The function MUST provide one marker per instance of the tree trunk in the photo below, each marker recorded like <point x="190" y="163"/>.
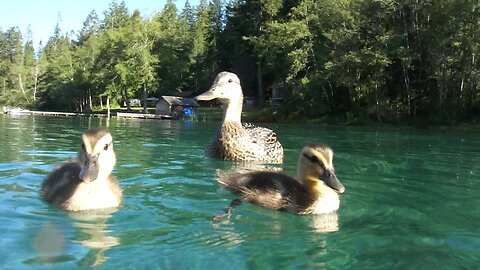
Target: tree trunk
<point x="474" y="84"/>
<point x="406" y="80"/>
<point x="90" y="103"/>
<point x="127" y="100"/>
<point x="108" y="107"/>
<point x="20" y="82"/>
<point x="261" y="94"/>
<point x="443" y="89"/>
<point x="377" y="104"/>
<point x="35" y="83"/>
<point x="101" y="102"/>
<point x="462" y="84"/>
<point x="145" y="110"/>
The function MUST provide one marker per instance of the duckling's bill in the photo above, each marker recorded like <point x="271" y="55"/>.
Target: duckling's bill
<point x="89" y="171"/>
<point x="332" y="181"/>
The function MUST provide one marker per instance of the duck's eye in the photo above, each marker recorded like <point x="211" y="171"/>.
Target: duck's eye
<point x="313" y="159"/>
<point x="230" y="80"/>
<point x="106" y="147"/>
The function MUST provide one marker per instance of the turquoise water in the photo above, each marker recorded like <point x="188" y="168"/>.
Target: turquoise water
<point x="412" y="201"/>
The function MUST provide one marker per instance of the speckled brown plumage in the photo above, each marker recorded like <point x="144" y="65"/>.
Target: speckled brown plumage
<point x="237" y="141"/>
<point x="245" y="143"/>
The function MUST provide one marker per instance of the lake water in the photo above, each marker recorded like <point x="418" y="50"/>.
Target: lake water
<point x="412" y="201"/>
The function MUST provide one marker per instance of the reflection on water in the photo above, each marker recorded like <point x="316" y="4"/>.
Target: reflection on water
<point x="49" y="245"/>
<point x="94" y="233"/>
<point x="324" y="223"/>
<point x="91" y="231"/>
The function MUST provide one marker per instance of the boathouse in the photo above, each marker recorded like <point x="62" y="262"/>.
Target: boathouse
<point x="174" y="106"/>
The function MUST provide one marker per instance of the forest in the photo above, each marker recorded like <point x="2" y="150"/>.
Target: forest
<point x="384" y="61"/>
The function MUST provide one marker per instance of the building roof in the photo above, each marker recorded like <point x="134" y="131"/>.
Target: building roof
<point x="180" y="101"/>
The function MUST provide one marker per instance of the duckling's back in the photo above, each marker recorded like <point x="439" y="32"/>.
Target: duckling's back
<point x="272" y="190"/>
<point x="60" y="185"/>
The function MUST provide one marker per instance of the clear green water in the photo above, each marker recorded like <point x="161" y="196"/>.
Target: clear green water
<point x="412" y="201"/>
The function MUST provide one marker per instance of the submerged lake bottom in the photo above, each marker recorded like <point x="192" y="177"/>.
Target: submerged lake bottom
<point x="412" y="200"/>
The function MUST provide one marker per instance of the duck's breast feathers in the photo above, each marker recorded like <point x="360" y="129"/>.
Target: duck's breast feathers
<point x="61" y="183"/>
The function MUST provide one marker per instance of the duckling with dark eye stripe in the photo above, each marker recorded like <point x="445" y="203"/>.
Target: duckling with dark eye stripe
<point x="315" y="191"/>
<point x="87" y="183"/>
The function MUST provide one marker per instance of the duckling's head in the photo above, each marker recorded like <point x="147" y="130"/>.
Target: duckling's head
<point x="226" y="87"/>
<point x="96" y="157"/>
<point x="315" y="167"/>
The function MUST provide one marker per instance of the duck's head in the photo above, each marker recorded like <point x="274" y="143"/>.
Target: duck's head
<point x="226" y="88"/>
<point x="96" y="157"/>
<point x="315" y="167"/>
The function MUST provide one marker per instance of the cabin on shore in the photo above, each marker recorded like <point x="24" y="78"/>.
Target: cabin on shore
<point x="175" y="106"/>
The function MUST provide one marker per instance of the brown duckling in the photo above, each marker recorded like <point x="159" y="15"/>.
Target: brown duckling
<point x="234" y="140"/>
<point x="87" y="183"/>
<point x="315" y="191"/>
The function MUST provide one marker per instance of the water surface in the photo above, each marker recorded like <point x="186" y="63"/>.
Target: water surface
<point x="412" y="201"/>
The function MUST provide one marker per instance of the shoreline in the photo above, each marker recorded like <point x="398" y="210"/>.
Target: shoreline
<point x="268" y="115"/>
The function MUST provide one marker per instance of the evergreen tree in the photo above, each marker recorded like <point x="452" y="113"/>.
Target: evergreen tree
<point x="348" y="59"/>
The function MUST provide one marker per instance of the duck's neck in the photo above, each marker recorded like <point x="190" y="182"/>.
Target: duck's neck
<point x="233" y="111"/>
<point x="103" y="177"/>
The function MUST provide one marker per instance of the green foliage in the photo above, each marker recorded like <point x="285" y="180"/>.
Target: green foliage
<point x="345" y="60"/>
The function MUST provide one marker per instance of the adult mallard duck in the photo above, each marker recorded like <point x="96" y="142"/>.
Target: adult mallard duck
<point x="235" y="141"/>
<point x="315" y="191"/>
<point x="87" y="183"/>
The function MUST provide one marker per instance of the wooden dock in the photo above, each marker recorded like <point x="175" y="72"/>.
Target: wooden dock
<point x="117" y="114"/>
<point x="67" y="114"/>
<point x="143" y="115"/>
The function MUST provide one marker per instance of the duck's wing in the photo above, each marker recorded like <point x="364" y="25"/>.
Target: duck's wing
<point x="260" y="134"/>
<point x="272" y="190"/>
<point x="61" y="183"/>
<point x="264" y="143"/>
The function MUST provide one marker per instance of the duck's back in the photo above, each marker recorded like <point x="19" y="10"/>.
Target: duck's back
<point x="246" y="143"/>
<point x="272" y="190"/>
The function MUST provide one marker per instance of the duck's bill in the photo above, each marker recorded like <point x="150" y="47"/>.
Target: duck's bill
<point x="89" y="171"/>
<point x="332" y="181"/>
<point x="209" y="95"/>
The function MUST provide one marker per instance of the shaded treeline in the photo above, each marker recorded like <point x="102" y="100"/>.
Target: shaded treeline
<point x="371" y="59"/>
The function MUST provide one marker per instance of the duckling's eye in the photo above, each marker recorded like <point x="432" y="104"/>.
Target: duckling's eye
<point x="106" y="147"/>
<point x="313" y="159"/>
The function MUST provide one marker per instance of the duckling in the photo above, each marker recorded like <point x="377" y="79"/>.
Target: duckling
<point x="315" y="191"/>
<point x="235" y="141"/>
<point x="87" y="183"/>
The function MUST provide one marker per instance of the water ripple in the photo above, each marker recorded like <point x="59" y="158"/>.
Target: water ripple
<point x="411" y="201"/>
